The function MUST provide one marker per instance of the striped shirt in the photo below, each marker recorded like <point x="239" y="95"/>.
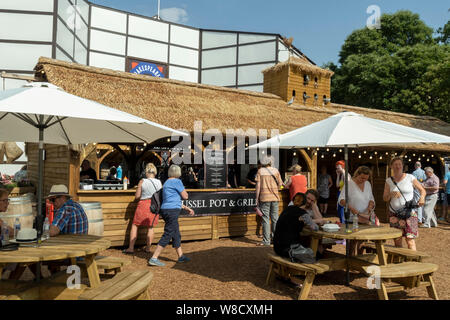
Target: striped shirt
<point x="268" y="186"/>
<point x="71" y="219"/>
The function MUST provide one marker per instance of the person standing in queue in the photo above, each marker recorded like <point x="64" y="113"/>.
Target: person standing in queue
<point x="297" y="182"/>
<point x="143" y="216"/>
<point x="173" y="193"/>
<point x="268" y="182"/>
<point x="4" y="203"/>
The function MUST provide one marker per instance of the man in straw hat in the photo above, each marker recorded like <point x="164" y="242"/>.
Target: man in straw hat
<point x="70" y="217"/>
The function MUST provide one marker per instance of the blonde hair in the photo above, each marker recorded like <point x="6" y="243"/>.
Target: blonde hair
<point x="150" y="168"/>
<point x="296" y="168"/>
<point x="362" y="170"/>
<point x="174" y="171"/>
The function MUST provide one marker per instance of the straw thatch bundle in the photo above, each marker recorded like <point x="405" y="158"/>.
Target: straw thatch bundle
<point x="299" y="65"/>
<point x="11" y="150"/>
<point x="178" y="104"/>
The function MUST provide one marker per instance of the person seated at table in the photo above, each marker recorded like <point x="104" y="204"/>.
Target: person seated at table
<point x="87" y="172"/>
<point x="289" y="225"/>
<point x="310" y="206"/>
<point x="70" y="217"/>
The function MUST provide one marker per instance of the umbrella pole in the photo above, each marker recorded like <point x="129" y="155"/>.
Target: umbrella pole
<point x="346" y="215"/>
<point x="39" y="194"/>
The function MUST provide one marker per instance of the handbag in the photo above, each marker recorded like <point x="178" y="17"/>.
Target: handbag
<point x="405" y="212"/>
<point x="156" y="200"/>
<point x="298" y="253"/>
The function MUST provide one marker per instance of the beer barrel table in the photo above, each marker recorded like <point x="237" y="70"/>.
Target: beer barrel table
<point x="94" y="213"/>
<point x="21" y="208"/>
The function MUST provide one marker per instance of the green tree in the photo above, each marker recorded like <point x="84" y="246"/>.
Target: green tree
<point x="399" y="67"/>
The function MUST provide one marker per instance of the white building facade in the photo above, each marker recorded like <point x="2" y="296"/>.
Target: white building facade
<point x="82" y="32"/>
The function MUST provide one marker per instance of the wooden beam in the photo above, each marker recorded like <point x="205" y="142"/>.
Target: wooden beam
<point x="17" y="76"/>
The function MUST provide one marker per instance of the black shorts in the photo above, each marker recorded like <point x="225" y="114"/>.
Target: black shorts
<point x="323" y="200"/>
<point x="448" y="198"/>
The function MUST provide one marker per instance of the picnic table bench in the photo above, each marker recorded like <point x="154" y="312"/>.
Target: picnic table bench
<point x="407" y="275"/>
<point x="128" y="285"/>
<point x="396" y="254"/>
<point x="108" y="263"/>
<point x="287" y="270"/>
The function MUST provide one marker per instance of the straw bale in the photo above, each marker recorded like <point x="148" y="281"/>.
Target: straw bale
<point x="178" y="104"/>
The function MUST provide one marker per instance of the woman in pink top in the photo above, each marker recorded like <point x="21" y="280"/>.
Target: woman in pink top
<point x="297" y="182"/>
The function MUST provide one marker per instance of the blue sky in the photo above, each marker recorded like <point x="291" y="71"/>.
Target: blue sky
<point x="319" y="27"/>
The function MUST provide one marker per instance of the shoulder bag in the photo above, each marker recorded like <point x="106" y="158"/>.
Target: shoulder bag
<point x="405" y="212"/>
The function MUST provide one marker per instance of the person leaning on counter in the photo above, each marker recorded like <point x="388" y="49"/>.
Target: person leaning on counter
<point x="87" y="172"/>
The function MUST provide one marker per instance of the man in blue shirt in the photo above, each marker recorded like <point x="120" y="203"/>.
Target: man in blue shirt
<point x="420" y="175"/>
<point x="447" y="191"/>
<point x="70" y="217"/>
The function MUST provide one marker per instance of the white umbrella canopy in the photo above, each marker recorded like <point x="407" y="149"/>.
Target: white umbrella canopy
<point x="353" y="130"/>
<point x="349" y="129"/>
<point x="69" y="119"/>
<point x="44" y="113"/>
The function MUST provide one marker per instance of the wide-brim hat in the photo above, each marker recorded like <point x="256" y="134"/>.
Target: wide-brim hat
<point x="58" y="190"/>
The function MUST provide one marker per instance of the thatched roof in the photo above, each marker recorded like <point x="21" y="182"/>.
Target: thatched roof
<point x="299" y="65"/>
<point x="178" y="104"/>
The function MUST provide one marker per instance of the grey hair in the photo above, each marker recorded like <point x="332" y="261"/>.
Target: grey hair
<point x="174" y="171"/>
<point x="430" y="169"/>
<point x="267" y="161"/>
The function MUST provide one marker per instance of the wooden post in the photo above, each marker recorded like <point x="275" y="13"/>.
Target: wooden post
<point x="311" y="163"/>
<point x="215" y="227"/>
<point x="74" y="173"/>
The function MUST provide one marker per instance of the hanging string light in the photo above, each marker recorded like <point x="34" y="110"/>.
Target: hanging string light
<point x="371" y="157"/>
<point x="418" y="158"/>
<point x="328" y="149"/>
<point x="295" y="153"/>
<point x="406" y="156"/>
<point x="387" y="153"/>
<point x="414" y="154"/>
<point x="322" y="156"/>
<point x="353" y="151"/>
<point x="317" y="149"/>
<point x="409" y="160"/>
<point x="340" y="150"/>
<point x="432" y="155"/>
<point x="376" y="153"/>
<point x="359" y="156"/>
<point x="381" y="157"/>
<point x="334" y="155"/>
<point x="365" y="151"/>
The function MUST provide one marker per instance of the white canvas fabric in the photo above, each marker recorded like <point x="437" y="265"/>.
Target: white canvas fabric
<point x="353" y="130"/>
<point x="82" y="120"/>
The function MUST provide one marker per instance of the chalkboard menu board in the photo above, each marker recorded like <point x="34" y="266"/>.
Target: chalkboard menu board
<point x="215" y="169"/>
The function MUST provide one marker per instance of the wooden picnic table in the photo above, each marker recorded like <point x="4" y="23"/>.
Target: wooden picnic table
<point x="378" y="235"/>
<point x="61" y="247"/>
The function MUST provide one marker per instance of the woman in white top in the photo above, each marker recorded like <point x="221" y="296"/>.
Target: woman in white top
<point x="143" y="216"/>
<point x="406" y="183"/>
<point x="361" y="202"/>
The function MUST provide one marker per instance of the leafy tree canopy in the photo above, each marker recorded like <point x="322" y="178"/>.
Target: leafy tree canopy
<point x="399" y="67"/>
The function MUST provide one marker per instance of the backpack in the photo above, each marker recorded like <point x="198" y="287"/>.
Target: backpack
<point x="156" y="200"/>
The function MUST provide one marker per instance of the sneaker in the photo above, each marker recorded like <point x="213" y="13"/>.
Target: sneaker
<point x="155" y="262"/>
<point x="183" y="258"/>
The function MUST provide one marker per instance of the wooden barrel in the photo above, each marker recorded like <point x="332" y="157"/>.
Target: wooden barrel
<point x="22" y="208"/>
<point x="95" y="217"/>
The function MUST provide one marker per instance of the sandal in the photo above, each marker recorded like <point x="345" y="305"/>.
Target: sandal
<point x="125" y="251"/>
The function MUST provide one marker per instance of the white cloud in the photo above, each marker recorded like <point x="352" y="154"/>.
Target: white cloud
<point x="177" y="15"/>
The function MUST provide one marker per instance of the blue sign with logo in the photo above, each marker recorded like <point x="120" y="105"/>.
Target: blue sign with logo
<point x="147" y="68"/>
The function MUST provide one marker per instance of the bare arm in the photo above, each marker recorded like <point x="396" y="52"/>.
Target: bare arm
<point x="317" y="215"/>
<point x="288" y="184"/>
<point x="423" y="193"/>
<point x="191" y="212"/>
<point x="184" y="195"/>
<point x="138" y="194"/>
<point x="257" y="187"/>
<point x="386" y="192"/>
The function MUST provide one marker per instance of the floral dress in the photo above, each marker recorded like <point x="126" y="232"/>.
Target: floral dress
<point x="410" y="226"/>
